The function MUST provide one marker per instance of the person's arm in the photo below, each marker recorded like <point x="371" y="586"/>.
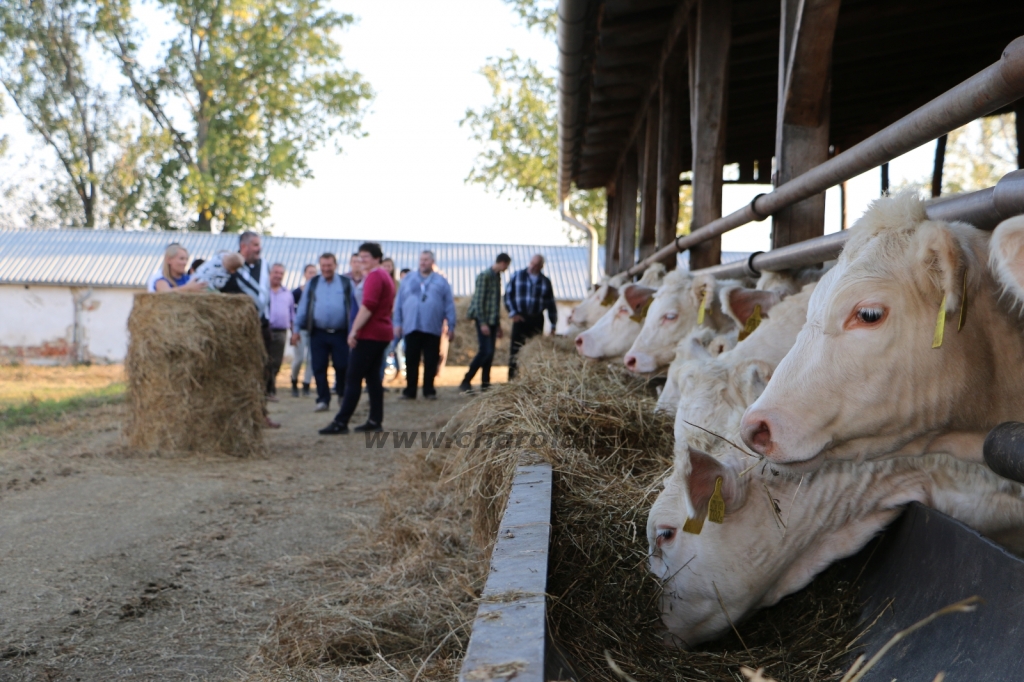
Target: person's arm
<point x="300" y="315"/>
<point x="372" y="290"/>
<point x="449" y="310"/>
<point x="509" y="298"/>
<point x="549" y="304"/>
<point x="476" y="303"/>
<point x="396" y="315"/>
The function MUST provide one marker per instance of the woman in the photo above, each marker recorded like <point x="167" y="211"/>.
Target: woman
<point x="388" y="265"/>
<point x="174" y="277"/>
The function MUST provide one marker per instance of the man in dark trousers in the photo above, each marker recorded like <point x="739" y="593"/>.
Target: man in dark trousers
<point x="485" y="309"/>
<point x="527" y="295"/>
<point x="424" y="302"/>
<point x="326" y="310"/>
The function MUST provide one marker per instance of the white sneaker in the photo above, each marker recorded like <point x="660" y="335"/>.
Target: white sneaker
<point x="321" y="407"/>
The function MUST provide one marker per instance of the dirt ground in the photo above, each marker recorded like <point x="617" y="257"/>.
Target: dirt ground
<point x="117" y="566"/>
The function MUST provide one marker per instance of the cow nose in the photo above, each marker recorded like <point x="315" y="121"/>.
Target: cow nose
<point x="630" y="361"/>
<point x="757" y="433"/>
<point x="579" y="343"/>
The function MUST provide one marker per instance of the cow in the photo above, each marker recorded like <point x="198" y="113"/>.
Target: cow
<point x="613" y="333"/>
<point x="699" y="343"/>
<point x="894" y="359"/>
<point x="590" y="309"/>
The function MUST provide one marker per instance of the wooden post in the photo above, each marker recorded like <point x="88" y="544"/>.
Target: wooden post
<point x="710" y="39"/>
<point x="673" y="123"/>
<point x="801" y="135"/>
<point x="885" y="178"/>
<point x="1018" y="115"/>
<point x="611" y="237"/>
<point x="842" y="206"/>
<point x="940" y="160"/>
<point x="649" y="185"/>
<point x="626" y="193"/>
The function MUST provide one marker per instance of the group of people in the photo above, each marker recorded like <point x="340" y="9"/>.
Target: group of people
<point x="354" y="321"/>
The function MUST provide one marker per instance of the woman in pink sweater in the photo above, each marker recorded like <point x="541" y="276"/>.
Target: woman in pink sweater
<point x="369" y="338"/>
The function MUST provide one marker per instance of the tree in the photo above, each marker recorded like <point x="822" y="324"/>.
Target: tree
<point x="519" y="132"/>
<point x="262" y="83"/>
<point x="979" y="154"/>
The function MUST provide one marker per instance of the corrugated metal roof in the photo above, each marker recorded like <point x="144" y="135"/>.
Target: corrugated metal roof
<point x="110" y="258"/>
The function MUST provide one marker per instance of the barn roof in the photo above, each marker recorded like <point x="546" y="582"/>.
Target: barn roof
<point x="889" y="58"/>
<point x="113" y="258"/>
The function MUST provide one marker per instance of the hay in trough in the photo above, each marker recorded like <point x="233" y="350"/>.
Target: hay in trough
<point x="194" y="372"/>
<point x="463" y="348"/>
<point x="611" y="453"/>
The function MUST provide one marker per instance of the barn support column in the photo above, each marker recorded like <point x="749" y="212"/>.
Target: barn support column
<point x="649" y="185"/>
<point x="940" y="160"/>
<point x="611" y="238"/>
<point x="626" y="193"/>
<point x="673" y="122"/>
<point x="1018" y="115"/>
<point x="710" y="37"/>
<point x="802" y="122"/>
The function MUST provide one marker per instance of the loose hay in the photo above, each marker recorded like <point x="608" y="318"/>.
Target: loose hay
<point x="194" y="370"/>
<point x="463" y="348"/>
<point x="612" y="452"/>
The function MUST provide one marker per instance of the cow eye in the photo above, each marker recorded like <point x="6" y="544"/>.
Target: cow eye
<point x="665" y="535"/>
<point x="668" y="317"/>
<point x="870" y="315"/>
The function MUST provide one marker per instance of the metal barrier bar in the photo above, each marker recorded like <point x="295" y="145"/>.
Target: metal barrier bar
<point x="984" y="209"/>
<point x="509" y="633"/>
<point x="981" y="94"/>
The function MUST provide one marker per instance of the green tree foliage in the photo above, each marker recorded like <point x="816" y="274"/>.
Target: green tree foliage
<point x="262" y="83"/>
<point x="519" y="133"/>
<point x="979" y="154"/>
<point x="542" y="14"/>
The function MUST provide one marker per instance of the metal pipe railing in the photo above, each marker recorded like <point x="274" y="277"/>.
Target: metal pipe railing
<point x="981" y="94"/>
<point x="984" y="209"/>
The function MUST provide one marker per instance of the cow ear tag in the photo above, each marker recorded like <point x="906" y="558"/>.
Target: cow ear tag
<point x="609" y="298"/>
<point x="940" y="324"/>
<point x="716" y="505"/>
<point x="963" y="305"/>
<point x="703" y="305"/>
<point x="641" y="313"/>
<point x="753" y="322"/>
<point x="693" y="526"/>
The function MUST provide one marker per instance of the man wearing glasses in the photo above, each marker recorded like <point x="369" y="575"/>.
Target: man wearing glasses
<point x="424" y="302"/>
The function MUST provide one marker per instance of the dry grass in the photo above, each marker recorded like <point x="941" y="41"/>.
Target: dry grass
<point x="21" y="384"/>
<point x="194" y="367"/>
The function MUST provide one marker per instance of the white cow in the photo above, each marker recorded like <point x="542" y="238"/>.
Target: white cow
<point x="674" y="311"/>
<point x="701" y="342"/>
<point x="613" y="333"/>
<point x="590" y="309"/>
<point x="868" y="378"/>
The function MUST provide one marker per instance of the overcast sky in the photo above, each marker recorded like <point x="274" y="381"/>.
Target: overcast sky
<point x="405" y="179"/>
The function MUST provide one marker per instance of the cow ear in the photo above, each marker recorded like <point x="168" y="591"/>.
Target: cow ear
<point x="637" y="295"/>
<point x="705" y="470"/>
<point x="739" y="303"/>
<point x="1006" y="256"/>
<point x="610" y="297"/>
<point x="700" y="284"/>
<point x="943" y="257"/>
<point x="751" y="378"/>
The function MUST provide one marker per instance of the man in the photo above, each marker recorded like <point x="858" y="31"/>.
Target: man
<point x="485" y="309"/>
<point x="355" y="274"/>
<point x="324" y="312"/>
<point x="300" y="355"/>
<point x="369" y="337"/>
<point x="250" y="245"/>
<point x="424" y="302"/>
<point x="280" y="316"/>
<point x="527" y="295"/>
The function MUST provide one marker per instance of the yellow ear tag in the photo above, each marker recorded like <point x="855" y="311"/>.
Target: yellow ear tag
<point x="703" y="305"/>
<point x="940" y="324"/>
<point x="693" y="526"/>
<point x="609" y="298"/>
<point x="641" y="313"/>
<point x="963" y="305"/>
<point x="753" y="322"/>
<point x="716" y="506"/>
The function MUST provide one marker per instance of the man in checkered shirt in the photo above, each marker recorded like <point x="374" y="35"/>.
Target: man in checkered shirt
<point x="527" y="295"/>
<point x="485" y="308"/>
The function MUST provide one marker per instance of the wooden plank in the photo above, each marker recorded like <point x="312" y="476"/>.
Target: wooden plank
<point x="510" y="631"/>
<point x="649" y="186"/>
<point x="626" y="192"/>
<point x="1018" y="115"/>
<point x="940" y="160"/>
<point x="611" y="237"/>
<point x="802" y="130"/>
<point x="673" y="126"/>
<point x="709" y="46"/>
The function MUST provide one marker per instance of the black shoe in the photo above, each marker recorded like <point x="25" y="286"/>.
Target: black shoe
<point x="485" y="387"/>
<point x="305" y="390"/>
<point x="368" y="427"/>
<point x="334" y="429"/>
<point x="295" y="389"/>
<point x="465" y="387"/>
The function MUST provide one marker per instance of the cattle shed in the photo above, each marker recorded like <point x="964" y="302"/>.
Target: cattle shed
<point x="66" y="294"/>
<point x="802" y="95"/>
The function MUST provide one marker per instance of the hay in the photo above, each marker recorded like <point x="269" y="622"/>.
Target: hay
<point x="194" y="370"/>
<point x="463" y="348"/>
<point x="611" y="454"/>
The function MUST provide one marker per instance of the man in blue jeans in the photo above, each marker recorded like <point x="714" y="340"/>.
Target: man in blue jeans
<point x="485" y="309"/>
<point x="326" y="310"/>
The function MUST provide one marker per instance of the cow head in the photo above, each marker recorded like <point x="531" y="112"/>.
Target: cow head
<point x="700" y="344"/>
<point x="863" y="378"/>
<point x="590" y="309"/>
<point x="613" y="334"/>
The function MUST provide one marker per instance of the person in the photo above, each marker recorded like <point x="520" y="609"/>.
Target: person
<point x="485" y="310"/>
<point x="424" y="303"/>
<point x="173" y="276"/>
<point x="250" y="246"/>
<point x="300" y="353"/>
<point x="355" y="274"/>
<point x="527" y="295"/>
<point x="403" y="273"/>
<point x="370" y="334"/>
<point x="195" y="265"/>
<point x="389" y="267"/>
<point x="325" y="312"/>
<point x="281" y="316"/>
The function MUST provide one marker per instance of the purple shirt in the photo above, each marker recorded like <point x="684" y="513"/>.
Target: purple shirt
<point x="281" y="310"/>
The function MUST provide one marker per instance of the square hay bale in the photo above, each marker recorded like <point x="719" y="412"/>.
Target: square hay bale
<point x="194" y="369"/>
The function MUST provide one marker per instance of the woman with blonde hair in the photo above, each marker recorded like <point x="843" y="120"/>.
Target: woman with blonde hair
<point x="174" y="274"/>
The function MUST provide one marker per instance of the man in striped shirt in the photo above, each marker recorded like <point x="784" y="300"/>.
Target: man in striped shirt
<point x="485" y="309"/>
<point x="527" y="295"/>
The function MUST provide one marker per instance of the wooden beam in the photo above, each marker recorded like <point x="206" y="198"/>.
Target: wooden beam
<point x="940" y="161"/>
<point x="626" y="193"/>
<point x="709" y="47"/>
<point x="806" y="35"/>
<point x="649" y="186"/>
<point x="673" y="125"/>
<point x="611" y="238"/>
<point x="1018" y="114"/>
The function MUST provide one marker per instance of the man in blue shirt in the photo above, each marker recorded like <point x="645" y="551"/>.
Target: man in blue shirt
<point x="424" y="302"/>
<point x="325" y="311"/>
<point x="527" y="295"/>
